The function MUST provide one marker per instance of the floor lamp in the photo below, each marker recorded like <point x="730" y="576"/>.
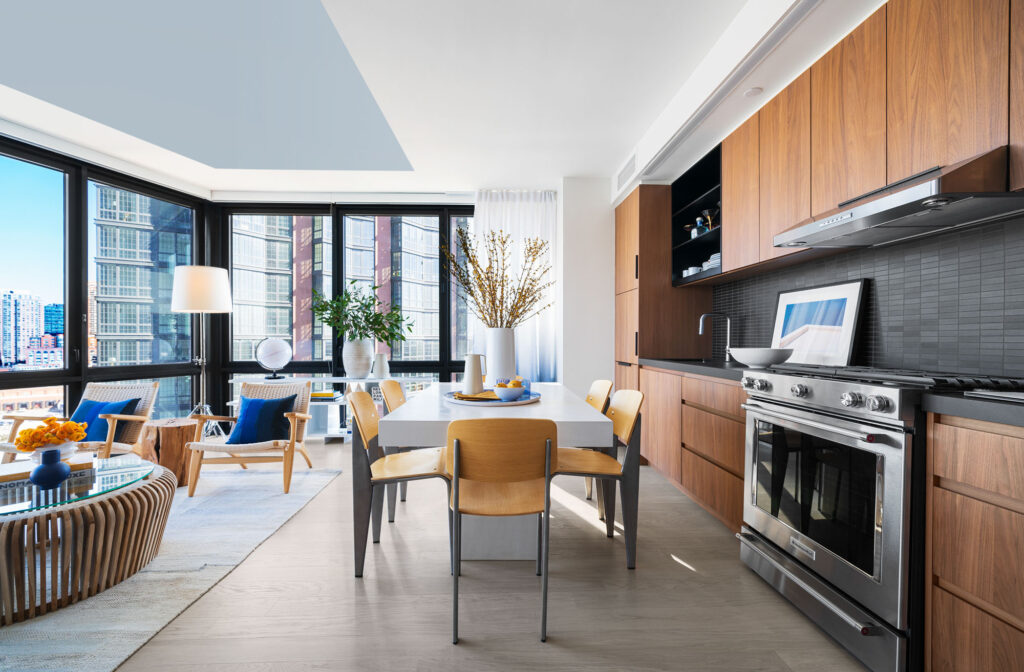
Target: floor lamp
<point x="202" y="290"/>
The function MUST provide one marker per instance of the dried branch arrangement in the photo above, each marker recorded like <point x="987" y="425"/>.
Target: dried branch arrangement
<point x="499" y="296"/>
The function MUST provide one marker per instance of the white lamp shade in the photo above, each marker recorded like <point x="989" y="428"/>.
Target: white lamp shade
<point x="201" y="289"/>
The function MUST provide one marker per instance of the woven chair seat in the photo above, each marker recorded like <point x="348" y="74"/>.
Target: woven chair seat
<point x="219" y="444"/>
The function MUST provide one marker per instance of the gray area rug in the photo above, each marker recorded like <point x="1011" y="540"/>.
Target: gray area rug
<point x="206" y="537"/>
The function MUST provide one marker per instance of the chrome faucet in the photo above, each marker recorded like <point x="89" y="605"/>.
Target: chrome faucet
<point x="728" y="331"/>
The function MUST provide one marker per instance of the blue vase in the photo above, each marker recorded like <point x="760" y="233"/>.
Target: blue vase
<point x="51" y="472"/>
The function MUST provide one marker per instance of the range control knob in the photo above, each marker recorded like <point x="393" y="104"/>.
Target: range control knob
<point x="747" y="382"/>
<point x="851" y="399"/>
<point x="798" y="390"/>
<point x="761" y="385"/>
<point x="879" y="404"/>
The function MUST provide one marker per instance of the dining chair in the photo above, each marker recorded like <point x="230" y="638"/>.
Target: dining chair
<point x="597" y="397"/>
<point x="624" y="412"/>
<point x="275" y="450"/>
<point x="501" y="467"/>
<point x="119" y="439"/>
<point x="373" y="471"/>
<point x="394" y="396"/>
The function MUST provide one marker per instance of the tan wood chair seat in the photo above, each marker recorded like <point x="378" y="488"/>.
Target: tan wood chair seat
<point x="585" y="461"/>
<point x="414" y="464"/>
<point x="485" y="498"/>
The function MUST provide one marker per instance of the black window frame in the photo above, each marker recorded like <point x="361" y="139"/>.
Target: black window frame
<point x="77" y="373"/>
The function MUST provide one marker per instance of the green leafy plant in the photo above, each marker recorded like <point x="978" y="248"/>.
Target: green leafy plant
<point x="358" y="314"/>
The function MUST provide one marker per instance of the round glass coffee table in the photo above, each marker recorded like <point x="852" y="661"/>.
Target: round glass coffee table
<point x="96" y="529"/>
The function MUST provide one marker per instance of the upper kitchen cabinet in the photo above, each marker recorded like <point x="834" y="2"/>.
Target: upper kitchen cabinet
<point x="848" y="117"/>
<point x="947" y="82"/>
<point x="653" y="318"/>
<point x="785" y="164"/>
<point x="1017" y="94"/>
<point x="627" y="243"/>
<point x="741" y="196"/>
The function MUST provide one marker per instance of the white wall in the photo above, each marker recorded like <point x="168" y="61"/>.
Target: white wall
<point x="586" y="299"/>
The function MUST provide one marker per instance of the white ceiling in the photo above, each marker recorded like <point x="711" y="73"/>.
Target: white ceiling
<point x="478" y="93"/>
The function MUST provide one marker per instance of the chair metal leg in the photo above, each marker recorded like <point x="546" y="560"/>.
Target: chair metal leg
<point x="630" y="486"/>
<point x="540" y="540"/>
<point x="588" y="483"/>
<point x="455" y="578"/>
<point x="451" y="531"/>
<point x="392" y="490"/>
<point x="403" y="490"/>
<point x="600" y="499"/>
<point x="377" y="511"/>
<point x="547" y="545"/>
<point x="362" y="495"/>
<point x="608" y="496"/>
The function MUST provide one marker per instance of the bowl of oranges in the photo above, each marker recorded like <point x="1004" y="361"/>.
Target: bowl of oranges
<point x="509" y="389"/>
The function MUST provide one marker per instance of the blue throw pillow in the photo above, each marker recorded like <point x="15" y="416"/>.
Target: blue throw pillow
<point x="262" y="420"/>
<point x="89" y="411"/>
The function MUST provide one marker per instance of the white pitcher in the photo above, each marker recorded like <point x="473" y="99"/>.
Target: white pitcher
<point x="473" y="376"/>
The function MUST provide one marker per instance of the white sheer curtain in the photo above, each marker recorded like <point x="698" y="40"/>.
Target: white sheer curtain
<point x="524" y="214"/>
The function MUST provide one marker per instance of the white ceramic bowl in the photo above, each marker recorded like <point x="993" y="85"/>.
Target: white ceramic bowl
<point x="760" y="358"/>
<point x="509" y="393"/>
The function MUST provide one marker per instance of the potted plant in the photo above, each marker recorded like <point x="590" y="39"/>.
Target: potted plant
<point x="360" y="318"/>
<point x="500" y="297"/>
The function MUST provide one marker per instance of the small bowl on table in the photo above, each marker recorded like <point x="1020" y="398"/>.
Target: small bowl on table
<point x="509" y="393"/>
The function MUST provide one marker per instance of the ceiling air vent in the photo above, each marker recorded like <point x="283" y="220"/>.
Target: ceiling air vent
<point x="626" y="173"/>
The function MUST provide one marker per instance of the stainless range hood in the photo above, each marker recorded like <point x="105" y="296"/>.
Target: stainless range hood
<point x="938" y="200"/>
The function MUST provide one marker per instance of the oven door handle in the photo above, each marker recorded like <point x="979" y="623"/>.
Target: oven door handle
<point x="860" y="436"/>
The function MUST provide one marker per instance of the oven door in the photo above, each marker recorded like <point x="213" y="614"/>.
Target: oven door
<point x="831" y="493"/>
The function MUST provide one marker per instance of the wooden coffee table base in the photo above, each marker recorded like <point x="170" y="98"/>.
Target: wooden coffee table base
<point x="58" y="556"/>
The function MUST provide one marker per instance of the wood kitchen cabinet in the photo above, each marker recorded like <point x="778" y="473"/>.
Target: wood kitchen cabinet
<point x="1016" y="94"/>
<point x="627" y="376"/>
<point x="627" y="243"/>
<point x="848" y="117"/>
<point x="974" y="611"/>
<point x="741" y="196"/>
<point x="627" y="307"/>
<point x="662" y="416"/>
<point x="653" y="318"/>
<point x="785" y="164"/>
<point x="947" y="73"/>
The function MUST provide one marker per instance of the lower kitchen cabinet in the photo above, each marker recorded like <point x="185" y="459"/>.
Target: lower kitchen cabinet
<point x="975" y="546"/>
<point x="714" y="488"/>
<point x="661" y="417"/>
<point x="714" y="437"/>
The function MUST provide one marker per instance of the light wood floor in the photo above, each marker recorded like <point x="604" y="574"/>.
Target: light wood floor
<point x="689" y="605"/>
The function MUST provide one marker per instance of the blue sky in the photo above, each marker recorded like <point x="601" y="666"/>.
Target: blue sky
<point x="32" y="229"/>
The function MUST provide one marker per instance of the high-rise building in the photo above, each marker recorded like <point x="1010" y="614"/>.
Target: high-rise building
<point x="21" y="320"/>
<point x="53" y="318"/>
<point x="139" y="241"/>
<point x="277" y="262"/>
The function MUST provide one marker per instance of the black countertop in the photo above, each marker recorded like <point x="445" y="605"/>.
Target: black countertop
<point x="948" y="403"/>
<point x="705" y="367"/>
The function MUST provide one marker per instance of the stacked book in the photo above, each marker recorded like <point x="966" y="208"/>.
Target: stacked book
<point x="332" y="395"/>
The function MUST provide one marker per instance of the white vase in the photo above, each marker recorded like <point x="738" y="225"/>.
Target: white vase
<point x="501" y="355"/>
<point x="381" y="369"/>
<point x="357" y="357"/>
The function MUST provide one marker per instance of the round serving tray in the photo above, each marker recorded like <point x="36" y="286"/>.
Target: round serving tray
<point x="527" y="398"/>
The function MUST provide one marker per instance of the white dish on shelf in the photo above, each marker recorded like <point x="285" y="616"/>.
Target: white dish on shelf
<point x="760" y="358"/>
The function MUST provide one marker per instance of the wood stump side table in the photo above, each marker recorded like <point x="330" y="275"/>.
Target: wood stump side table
<point x="163" y="442"/>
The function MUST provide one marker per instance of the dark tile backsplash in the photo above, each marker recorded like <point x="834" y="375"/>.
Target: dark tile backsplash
<point x="950" y="303"/>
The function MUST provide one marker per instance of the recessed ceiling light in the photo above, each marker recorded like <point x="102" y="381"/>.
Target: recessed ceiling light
<point x="753" y="91"/>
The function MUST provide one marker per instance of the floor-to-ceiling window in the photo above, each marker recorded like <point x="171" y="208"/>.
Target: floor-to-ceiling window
<point x="85" y="288"/>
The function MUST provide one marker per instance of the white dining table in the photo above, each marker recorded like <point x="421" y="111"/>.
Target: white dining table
<point x="423" y="421"/>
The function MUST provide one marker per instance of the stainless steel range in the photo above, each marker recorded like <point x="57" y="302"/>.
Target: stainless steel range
<point x="833" y="505"/>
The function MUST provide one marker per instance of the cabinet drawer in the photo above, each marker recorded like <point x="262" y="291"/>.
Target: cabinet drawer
<point x="965" y="638"/>
<point x="722" y="397"/>
<point x="627" y="376"/>
<point x="980" y="459"/>
<point x="717" y="438"/>
<point x="712" y="487"/>
<point x="978" y="547"/>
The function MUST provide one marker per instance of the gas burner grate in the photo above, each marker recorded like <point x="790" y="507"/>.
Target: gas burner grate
<point x="923" y="379"/>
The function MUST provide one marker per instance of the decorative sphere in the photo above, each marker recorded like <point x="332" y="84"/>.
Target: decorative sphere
<point x="273" y="354"/>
